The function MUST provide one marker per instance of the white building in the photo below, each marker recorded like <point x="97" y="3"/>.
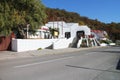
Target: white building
<point x="70" y="35"/>
<point x="67" y="30"/>
<point x="71" y="30"/>
<point x="42" y="33"/>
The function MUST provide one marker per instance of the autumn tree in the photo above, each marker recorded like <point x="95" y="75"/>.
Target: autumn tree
<point x="113" y="29"/>
<point x="81" y="23"/>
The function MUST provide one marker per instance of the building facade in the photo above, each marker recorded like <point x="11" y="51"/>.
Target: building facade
<point x="67" y="30"/>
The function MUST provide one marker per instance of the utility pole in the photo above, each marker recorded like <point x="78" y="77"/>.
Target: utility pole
<point x="62" y="26"/>
<point x="53" y="22"/>
<point x="27" y="30"/>
<point x="57" y="22"/>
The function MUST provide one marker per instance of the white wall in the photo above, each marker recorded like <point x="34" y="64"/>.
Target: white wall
<point x="74" y="28"/>
<point x="86" y="29"/>
<point x="62" y="43"/>
<point x="79" y="42"/>
<point x="20" y="45"/>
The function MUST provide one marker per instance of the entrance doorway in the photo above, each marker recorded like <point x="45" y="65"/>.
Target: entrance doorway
<point x="80" y="33"/>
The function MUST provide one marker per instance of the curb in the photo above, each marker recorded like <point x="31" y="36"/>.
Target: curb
<point x="16" y="55"/>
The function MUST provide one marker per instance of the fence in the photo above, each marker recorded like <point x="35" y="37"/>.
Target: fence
<point x="5" y="43"/>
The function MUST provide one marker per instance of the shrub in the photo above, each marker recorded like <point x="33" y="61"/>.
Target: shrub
<point x="39" y="49"/>
<point x="106" y="41"/>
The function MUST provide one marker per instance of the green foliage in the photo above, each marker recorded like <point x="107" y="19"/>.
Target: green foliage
<point x="19" y="13"/>
<point x="84" y="43"/>
<point x="113" y="29"/>
<point x="81" y="23"/>
<point x="106" y="41"/>
<point x="39" y="49"/>
<point x="15" y="13"/>
<point x="60" y="15"/>
<point x="117" y="42"/>
<point x="52" y="30"/>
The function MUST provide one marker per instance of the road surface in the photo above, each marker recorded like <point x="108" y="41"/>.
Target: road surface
<point x="91" y="64"/>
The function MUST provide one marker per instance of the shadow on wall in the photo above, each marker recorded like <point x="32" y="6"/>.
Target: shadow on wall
<point x="49" y="47"/>
<point x="74" y="43"/>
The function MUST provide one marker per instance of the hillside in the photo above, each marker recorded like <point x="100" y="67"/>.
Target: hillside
<point x="113" y="28"/>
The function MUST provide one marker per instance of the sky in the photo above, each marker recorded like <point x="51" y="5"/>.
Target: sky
<point x="106" y="11"/>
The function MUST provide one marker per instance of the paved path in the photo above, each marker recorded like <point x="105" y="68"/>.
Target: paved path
<point x="11" y="55"/>
<point x="89" y="64"/>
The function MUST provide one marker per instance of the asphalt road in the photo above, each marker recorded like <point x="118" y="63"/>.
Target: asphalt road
<point x="92" y="64"/>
